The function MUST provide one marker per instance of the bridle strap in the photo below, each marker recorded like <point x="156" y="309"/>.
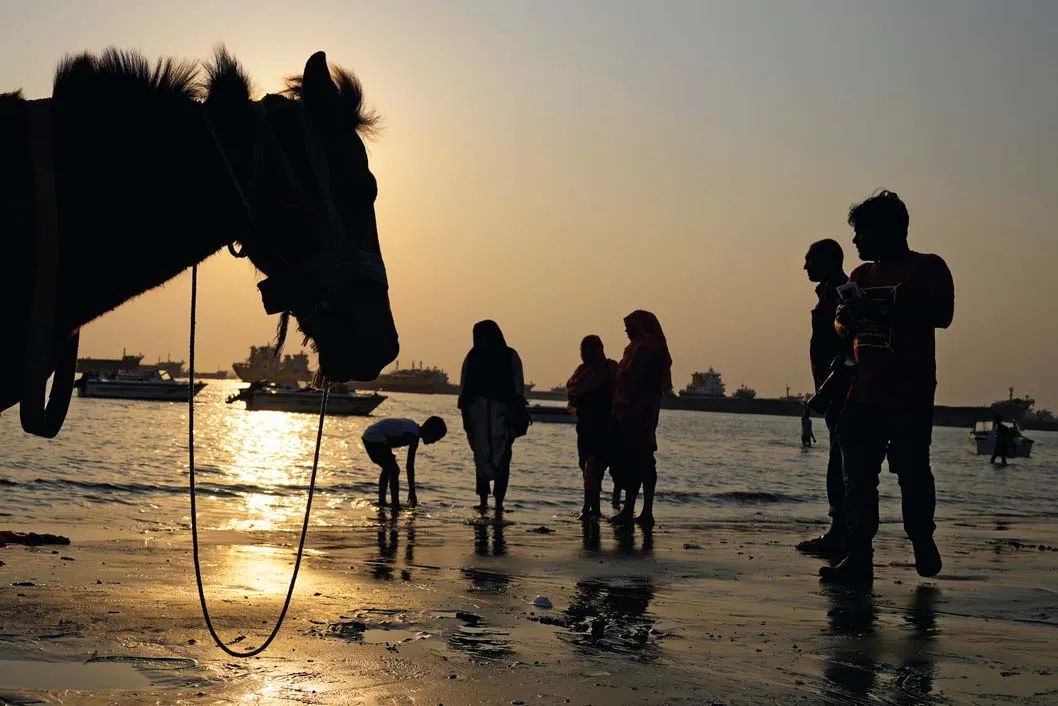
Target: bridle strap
<point x="43" y="354"/>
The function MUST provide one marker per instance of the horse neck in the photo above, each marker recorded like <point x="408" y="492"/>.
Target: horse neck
<point x="139" y="209"/>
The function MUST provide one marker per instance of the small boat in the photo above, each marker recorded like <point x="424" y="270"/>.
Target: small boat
<point x="983" y="440"/>
<point x="263" y="395"/>
<point x="153" y="385"/>
<point x="550" y="414"/>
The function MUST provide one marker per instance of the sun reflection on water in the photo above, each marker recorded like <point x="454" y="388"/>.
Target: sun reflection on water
<point x="268" y="453"/>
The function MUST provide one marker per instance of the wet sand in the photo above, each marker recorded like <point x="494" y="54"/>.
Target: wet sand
<point x="409" y="610"/>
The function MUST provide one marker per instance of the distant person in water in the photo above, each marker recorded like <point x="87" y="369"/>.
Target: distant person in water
<point x="492" y="400"/>
<point x="1003" y="437"/>
<point x="643" y="377"/>
<point x="807" y="437"/>
<point x="590" y="391"/>
<point x="393" y="433"/>
<point x="904" y="296"/>
<point x="827" y="352"/>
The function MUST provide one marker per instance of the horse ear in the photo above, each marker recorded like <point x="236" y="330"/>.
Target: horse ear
<point x="318" y="89"/>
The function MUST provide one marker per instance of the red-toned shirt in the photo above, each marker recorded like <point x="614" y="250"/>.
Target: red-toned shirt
<point x="896" y="362"/>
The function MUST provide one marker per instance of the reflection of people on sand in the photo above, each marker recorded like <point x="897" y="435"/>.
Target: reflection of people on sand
<point x="889" y="411"/>
<point x="481" y="538"/>
<point x="590" y="391"/>
<point x="491" y="394"/>
<point x="1003" y="440"/>
<point x="854" y="665"/>
<point x="383" y="567"/>
<point x="827" y="354"/>
<point x="643" y="376"/>
<point x="626" y="539"/>
<point x="383" y="436"/>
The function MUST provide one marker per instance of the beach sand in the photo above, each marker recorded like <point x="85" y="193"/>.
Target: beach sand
<point x="414" y="611"/>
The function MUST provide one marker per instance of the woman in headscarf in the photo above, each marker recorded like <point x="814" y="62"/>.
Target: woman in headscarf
<point x="491" y="395"/>
<point x="590" y="391"/>
<point x="643" y="377"/>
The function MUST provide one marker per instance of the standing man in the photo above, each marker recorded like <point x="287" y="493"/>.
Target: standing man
<point x="824" y="264"/>
<point x="905" y="296"/>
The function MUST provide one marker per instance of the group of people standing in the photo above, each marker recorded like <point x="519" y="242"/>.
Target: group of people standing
<point x="617" y="407"/>
<point x="873" y="357"/>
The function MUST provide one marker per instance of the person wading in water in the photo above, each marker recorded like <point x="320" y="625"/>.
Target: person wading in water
<point x="643" y="376"/>
<point x="590" y="391"/>
<point x="491" y="397"/>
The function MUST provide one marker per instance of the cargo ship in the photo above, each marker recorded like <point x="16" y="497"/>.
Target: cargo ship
<point x="420" y="380"/>
<point x="263" y="363"/>
<point x="131" y="364"/>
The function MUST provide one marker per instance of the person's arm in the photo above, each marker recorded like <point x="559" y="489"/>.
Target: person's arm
<point x="462" y="403"/>
<point x="933" y="301"/>
<point x="413" y="499"/>
<point x="519" y="374"/>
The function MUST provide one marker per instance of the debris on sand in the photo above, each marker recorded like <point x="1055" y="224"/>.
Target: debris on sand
<point x="31" y="539"/>
<point x="542" y="602"/>
<point x="542" y="529"/>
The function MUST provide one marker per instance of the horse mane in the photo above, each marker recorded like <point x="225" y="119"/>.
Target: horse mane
<point x="350" y="93"/>
<point x="124" y="74"/>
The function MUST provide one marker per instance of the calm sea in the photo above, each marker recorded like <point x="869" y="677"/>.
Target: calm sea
<point x="123" y="464"/>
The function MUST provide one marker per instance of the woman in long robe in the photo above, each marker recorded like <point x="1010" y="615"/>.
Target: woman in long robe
<point x="644" y="375"/>
<point x="491" y="393"/>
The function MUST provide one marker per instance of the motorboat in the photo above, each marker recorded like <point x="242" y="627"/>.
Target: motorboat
<point x="983" y="439"/>
<point x="271" y="396"/>
<point x="154" y="385"/>
<point x="551" y="414"/>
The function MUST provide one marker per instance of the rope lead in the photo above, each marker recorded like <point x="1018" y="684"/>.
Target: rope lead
<point x="194" y="513"/>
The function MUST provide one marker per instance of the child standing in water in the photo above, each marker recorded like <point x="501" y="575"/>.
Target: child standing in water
<point x="387" y="434"/>
<point x="590" y="392"/>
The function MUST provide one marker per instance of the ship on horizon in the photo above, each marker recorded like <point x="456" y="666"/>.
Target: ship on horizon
<point x="263" y="363"/>
<point x="132" y="364"/>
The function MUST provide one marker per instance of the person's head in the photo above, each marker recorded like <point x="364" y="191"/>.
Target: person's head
<point x="591" y="350"/>
<point x="880" y="224"/>
<point x="643" y="324"/>
<point x="824" y="261"/>
<point x="488" y="336"/>
<point x="432" y="430"/>
<point x="997" y="420"/>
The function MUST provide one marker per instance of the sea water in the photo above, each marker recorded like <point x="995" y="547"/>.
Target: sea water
<point x="122" y="465"/>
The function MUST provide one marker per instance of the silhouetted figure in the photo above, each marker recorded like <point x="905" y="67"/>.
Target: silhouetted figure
<point x="1004" y="438"/>
<point x="807" y="437"/>
<point x="393" y="433"/>
<point x="905" y="297"/>
<point x="491" y="396"/>
<point x="643" y="376"/>
<point x="824" y="264"/>
<point x="590" y="391"/>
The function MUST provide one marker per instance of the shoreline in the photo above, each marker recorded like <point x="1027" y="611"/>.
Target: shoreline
<point x="416" y="610"/>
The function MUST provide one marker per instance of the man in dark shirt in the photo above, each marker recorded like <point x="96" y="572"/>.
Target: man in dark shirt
<point x="905" y="297"/>
<point x="824" y="264"/>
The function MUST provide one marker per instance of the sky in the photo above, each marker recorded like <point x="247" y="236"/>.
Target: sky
<point x="554" y="166"/>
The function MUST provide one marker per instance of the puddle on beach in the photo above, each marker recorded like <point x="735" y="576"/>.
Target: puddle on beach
<point x="75" y="676"/>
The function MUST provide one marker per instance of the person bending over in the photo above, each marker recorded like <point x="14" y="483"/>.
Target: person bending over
<point x="393" y="433"/>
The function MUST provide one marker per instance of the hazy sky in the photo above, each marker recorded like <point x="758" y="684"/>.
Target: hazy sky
<point x="556" y="165"/>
